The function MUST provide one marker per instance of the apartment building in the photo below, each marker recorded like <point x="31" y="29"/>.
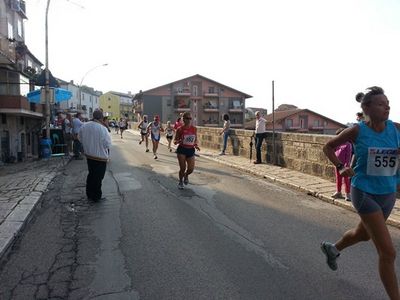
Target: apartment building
<point x="117" y="105"/>
<point x="21" y="121"/>
<point x="206" y="99"/>
<point x="84" y="99"/>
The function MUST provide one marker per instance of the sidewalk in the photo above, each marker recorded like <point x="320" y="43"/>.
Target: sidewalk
<point x="21" y="187"/>
<point x="312" y="185"/>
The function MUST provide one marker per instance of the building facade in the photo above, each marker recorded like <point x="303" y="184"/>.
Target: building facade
<point x="302" y="121"/>
<point x="84" y="100"/>
<point x="21" y="121"/>
<point x="117" y="105"/>
<point x="206" y="99"/>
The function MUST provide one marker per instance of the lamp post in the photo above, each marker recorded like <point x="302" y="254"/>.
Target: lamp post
<point x="47" y="75"/>
<point x="80" y="84"/>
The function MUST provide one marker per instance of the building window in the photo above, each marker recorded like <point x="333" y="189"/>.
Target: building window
<point x="195" y="90"/>
<point x="3" y="119"/>
<point x="316" y="123"/>
<point x="19" y="28"/>
<point x="22" y="120"/>
<point x="325" y="123"/>
<point x="289" y="123"/>
<point x="211" y="90"/>
<point x="10" y="31"/>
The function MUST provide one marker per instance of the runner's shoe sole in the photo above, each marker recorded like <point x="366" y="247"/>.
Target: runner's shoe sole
<point x="330" y="257"/>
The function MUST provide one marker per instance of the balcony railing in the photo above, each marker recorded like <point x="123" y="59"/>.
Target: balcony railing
<point x="19" y="105"/>
<point x="7" y="51"/>
<point x="211" y="94"/>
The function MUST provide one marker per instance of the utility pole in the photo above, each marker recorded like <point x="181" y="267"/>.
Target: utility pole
<point x="273" y="123"/>
<point x="47" y="75"/>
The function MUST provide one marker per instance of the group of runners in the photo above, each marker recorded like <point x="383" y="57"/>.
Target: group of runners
<point x="183" y="134"/>
<point x="375" y="176"/>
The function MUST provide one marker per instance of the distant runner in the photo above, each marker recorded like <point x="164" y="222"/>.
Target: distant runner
<point x="143" y="132"/>
<point x="155" y="128"/>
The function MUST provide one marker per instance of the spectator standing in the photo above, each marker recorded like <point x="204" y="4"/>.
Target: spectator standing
<point x="343" y="153"/>
<point x="76" y="126"/>
<point x="225" y="131"/>
<point x="66" y="126"/>
<point x="260" y="135"/>
<point x="96" y="143"/>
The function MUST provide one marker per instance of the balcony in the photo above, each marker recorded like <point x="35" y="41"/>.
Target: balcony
<point x="19" y="105"/>
<point x="7" y="51"/>
<point x="214" y="95"/>
<point x="19" y="6"/>
<point x="183" y="92"/>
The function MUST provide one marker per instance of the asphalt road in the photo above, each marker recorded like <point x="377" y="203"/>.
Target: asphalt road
<point x="228" y="235"/>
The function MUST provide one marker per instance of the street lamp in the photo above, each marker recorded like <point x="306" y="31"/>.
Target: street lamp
<point x="80" y="84"/>
<point x="47" y="75"/>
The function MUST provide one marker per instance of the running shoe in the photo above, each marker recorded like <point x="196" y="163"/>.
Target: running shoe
<point x="348" y="197"/>
<point x="337" y="195"/>
<point x="186" y="180"/>
<point x="147" y="150"/>
<point x="331" y="254"/>
<point x="170" y="149"/>
<point x="222" y="153"/>
<point x="140" y="142"/>
<point x="180" y="185"/>
<point x="155" y="157"/>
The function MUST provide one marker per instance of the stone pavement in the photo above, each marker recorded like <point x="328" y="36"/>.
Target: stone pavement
<point x="21" y="187"/>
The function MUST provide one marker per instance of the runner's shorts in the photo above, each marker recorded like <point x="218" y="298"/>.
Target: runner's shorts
<point x="189" y="152"/>
<point x="366" y="203"/>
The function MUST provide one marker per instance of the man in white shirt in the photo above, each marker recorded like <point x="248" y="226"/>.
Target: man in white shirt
<point x="260" y="135"/>
<point x="96" y="143"/>
<point x="76" y="126"/>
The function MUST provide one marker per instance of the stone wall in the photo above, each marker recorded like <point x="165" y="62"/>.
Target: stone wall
<point x="300" y="152"/>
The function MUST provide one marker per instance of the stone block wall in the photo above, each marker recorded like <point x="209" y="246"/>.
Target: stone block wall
<point x="300" y="152"/>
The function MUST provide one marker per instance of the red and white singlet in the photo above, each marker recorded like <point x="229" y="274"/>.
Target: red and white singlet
<point x="188" y="136"/>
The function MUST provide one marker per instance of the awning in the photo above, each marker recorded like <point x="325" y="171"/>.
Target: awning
<point x="56" y="95"/>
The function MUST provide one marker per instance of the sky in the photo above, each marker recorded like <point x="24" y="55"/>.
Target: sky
<point x="318" y="53"/>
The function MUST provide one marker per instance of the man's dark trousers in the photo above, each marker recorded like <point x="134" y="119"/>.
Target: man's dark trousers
<point x="259" y="139"/>
<point x="97" y="170"/>
<point x="77" y="148"/>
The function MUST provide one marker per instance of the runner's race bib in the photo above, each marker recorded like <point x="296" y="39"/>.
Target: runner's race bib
<point x="189" y="139"/>
<point x="382" y="161"/>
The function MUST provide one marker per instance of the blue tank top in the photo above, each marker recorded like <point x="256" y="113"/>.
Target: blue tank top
<point x="376" y="159"/>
